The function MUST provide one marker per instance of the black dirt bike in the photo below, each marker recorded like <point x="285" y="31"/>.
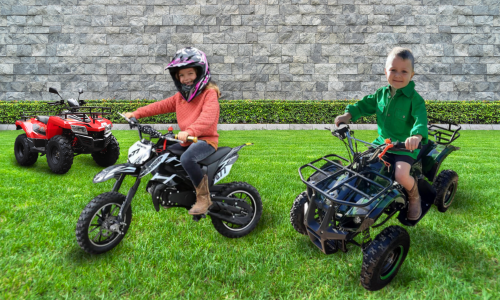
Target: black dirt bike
<point x="236" y="208"/>
<point x="347" y="197"/>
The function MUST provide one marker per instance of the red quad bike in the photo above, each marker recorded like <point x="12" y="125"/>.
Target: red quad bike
<point x="64" y="133"/>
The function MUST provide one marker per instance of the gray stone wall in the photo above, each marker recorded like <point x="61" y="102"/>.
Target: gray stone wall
<point x="258" y="49"/>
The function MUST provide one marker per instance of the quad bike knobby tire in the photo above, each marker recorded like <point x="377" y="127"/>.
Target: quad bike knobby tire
<point x="22" y="151"/>
<point x="92" y="230"/>
<point x="247" y="193"/>
<point x="59" y="154"/>
<point x="298" y="211"/>
<point x="109" y="155"/>
<point x="383" y="257"/>
<point x="446" y="186"/>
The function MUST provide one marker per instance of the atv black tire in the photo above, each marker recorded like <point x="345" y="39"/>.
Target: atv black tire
<point x="298" y="212"/>
<point x="250" y="194"/>
<point x="109" y="155"/>
<point x="102" y="209"/>
<point x="59" y="154"/>
<point x="22" y="151"/>
<point x="446" y="185"/>
<point x="383" y="257"/>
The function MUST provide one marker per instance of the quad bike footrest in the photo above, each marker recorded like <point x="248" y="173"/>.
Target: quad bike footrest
<point x="328" y="246"/>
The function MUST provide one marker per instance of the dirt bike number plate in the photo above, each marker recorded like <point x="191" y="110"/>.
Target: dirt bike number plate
<point x="139" y="153"/>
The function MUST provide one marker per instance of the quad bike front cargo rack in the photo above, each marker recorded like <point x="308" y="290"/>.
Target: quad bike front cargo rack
<point x="353" y="175"/>
<point x="324" y="232"/>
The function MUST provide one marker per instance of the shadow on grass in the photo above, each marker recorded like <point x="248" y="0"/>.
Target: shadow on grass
<point x="448" y="258"/>
<point x="39" y="167"/>
<point x="453" y="254"/>
<point x="79" y="257"/>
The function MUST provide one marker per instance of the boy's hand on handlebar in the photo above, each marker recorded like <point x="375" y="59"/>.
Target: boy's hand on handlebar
<point x="129" y="115"/>
<point x="182" y="135"/>
<point x="345" y="118"/>
<point x="411" y="143"/>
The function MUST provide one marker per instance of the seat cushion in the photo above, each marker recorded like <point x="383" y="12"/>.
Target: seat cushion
<point x="43" y="119"/>
<point x="220" y="153"/>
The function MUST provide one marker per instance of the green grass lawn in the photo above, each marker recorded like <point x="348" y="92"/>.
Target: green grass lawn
<point x="166" y="255"/>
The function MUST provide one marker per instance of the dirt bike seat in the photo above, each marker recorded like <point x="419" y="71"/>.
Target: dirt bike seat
<point x="43" y="119"/>
<point x="220" y="153"/>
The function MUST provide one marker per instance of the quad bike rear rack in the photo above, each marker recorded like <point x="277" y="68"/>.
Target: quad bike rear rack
<point x="324" y="233"/>
<point x="82" y="115"/>
<point x="443" y="135"/>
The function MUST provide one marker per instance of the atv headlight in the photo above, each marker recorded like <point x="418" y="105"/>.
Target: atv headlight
<point x="107" y="129"/>
<point x="79" y="129"/>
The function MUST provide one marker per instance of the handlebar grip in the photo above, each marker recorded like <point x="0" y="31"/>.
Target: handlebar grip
<point x="401" y="145"/>
<point x="190" y="139"/>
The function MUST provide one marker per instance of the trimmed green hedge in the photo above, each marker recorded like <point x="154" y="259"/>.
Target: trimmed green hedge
<point x="277" y="111"/>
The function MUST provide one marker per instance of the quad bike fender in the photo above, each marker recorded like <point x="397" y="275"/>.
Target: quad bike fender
<point x="115" y="172"/>
<point x="432" y="161"/>
<point x="54" y="127"/>
<point x="27" y="127"/>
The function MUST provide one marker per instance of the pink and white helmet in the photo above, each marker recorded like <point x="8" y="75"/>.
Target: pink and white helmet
<point x="190" y="57"/>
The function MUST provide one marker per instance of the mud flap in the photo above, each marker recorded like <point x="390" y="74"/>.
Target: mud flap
<point x="427" y="194"/>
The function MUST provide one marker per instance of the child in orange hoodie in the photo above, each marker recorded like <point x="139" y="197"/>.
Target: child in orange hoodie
<point x="197" y="108"/>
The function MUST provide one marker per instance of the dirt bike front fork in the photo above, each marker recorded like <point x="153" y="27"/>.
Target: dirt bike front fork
<point x="128" y="199"/>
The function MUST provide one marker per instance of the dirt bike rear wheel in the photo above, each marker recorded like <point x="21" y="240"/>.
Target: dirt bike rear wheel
<point x="250" y="195"/>
<point x="92" y="230"/>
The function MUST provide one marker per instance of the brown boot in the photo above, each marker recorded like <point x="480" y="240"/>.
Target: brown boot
<point x="203" y="201"/>
<point x="414" y="208"/>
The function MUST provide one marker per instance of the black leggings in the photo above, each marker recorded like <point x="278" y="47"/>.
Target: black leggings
<point x="191" y="156"/>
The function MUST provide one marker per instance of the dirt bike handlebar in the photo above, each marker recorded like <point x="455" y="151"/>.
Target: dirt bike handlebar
<point x="190" y="139"/>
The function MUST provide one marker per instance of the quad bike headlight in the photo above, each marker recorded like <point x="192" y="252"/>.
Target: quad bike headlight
<point x="79" y="129"/>
<point x="107" y="129"/>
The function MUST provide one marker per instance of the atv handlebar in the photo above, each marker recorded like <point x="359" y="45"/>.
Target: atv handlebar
<point x="400" y="146"/>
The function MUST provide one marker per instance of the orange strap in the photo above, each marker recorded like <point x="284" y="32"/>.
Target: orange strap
<point x="389" y="146"/>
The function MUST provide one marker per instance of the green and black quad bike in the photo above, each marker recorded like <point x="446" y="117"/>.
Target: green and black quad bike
<point x="347" y="197"/>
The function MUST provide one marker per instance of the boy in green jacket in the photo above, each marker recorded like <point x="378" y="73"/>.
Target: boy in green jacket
<point x="401" y="116"/>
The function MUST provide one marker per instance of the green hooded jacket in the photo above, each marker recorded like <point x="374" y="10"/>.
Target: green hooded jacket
<point x="398" y="117"/>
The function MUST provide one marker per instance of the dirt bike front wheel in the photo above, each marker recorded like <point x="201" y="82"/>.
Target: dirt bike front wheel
<point x="94" y="232"/>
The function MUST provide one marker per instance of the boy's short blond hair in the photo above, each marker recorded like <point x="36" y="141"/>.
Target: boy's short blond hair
<point x="403" y="53"/>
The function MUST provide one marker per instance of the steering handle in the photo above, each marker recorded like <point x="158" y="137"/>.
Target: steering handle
<point x="190" y="139"/>
<point x="400" y="146"/>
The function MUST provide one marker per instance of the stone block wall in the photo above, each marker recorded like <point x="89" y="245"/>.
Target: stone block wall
<point x="258" y="49"/>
